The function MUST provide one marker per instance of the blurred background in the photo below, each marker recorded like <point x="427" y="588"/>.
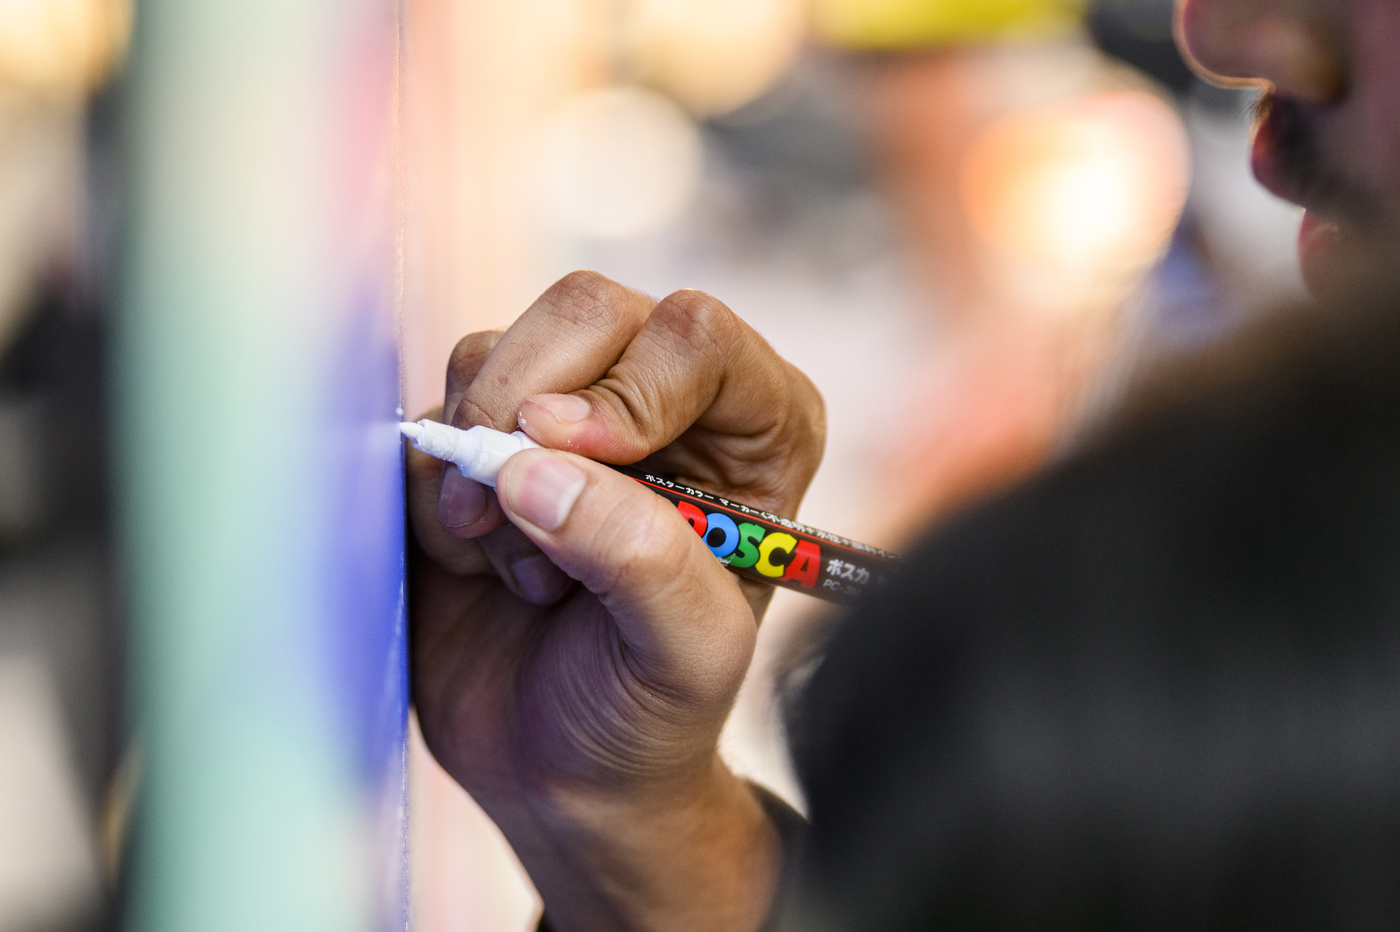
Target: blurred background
<point x="971" y="222"/>
<point x="61" y="653"/>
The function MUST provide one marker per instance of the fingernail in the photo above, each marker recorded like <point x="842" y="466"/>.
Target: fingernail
<point x="548" y="491"/>
<point x="538" y="580"/>
<point x="567" y="409"/>
<point x="461" y="501"/>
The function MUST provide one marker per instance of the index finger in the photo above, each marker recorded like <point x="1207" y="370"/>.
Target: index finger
<point x="573" y="334"/>
<point x="749" y="422"/>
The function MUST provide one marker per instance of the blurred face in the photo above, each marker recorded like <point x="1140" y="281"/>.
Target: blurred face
<point x="1329" y="129"/>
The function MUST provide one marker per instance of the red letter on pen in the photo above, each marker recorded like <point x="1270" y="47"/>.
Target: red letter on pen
<point x="806" y="562"/>
<point x="694" y="516"/>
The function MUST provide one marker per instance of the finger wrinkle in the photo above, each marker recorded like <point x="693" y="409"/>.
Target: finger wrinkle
<point x="633" y="404"/>
<point x="475" y="414"/>
<point x="655" y="710"/>
<point x="636" y="408"/>
<point x="469" y="355"/>
<point x="587" y="299"/>
<point x="637" y="681"/>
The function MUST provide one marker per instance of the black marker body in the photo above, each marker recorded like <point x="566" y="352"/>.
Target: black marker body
<point x="773" y="549"/>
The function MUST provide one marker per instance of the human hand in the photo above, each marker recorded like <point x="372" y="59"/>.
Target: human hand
<point x="573" y="668"/>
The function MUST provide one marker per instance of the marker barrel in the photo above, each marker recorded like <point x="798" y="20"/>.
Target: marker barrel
<point x="773" y="549"/>
<point x="749" y="541"/>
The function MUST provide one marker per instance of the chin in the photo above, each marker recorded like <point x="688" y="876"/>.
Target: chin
<point x="1320" y="248"/>
<point x="1338" y="263"/>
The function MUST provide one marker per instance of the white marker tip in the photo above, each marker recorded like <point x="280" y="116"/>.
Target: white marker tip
<point x="411" y="431"/>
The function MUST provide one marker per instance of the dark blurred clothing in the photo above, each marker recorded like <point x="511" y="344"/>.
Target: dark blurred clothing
<point x="1158" y="687"/>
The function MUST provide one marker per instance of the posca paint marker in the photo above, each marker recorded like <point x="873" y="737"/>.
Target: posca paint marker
<point x="749" y="541"/>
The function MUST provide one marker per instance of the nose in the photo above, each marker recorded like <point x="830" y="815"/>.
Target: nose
<point x="1284" y="44"/>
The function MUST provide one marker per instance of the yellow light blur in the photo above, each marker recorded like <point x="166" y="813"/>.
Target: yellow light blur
<point x="712" y="55"/>
<point x="892" y="24"/>
<point x="1078" y="198"/>
<point x="62" y="46"/>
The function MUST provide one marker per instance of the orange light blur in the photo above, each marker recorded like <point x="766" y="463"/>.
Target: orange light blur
<point x="1076" y="199"/>
<point x="62" y="46"/>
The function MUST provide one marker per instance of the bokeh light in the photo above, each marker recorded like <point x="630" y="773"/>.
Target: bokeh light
<point x="62" y="45"/>
<point x="1078" y="197"/>
<point x="712" y="55"/>
<point x="619" y="162"/>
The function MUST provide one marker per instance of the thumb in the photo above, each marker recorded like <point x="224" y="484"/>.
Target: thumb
<point x="683" y="617"/>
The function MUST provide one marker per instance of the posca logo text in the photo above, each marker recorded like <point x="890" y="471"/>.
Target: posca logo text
<point x="744" y="545"/>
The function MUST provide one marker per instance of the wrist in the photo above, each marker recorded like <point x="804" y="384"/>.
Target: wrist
<point x="693" y="855"/>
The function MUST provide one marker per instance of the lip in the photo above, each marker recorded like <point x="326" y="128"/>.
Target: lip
<point x="1265" y="163"/>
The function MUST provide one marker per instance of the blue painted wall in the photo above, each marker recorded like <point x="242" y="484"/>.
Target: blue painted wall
<point x="259" y="470"/>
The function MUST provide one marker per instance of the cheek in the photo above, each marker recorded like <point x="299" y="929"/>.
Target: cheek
<point x="1375" y="85"/>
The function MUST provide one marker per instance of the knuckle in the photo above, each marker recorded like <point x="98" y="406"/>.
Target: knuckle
<point x="695" y="320"/>
<point x="809" y="407"/>
<point x="806" y="428"/>
<point x="586" y="298"/>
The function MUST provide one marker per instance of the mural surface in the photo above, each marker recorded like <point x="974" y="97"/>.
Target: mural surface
<point x="259" y="466"/>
